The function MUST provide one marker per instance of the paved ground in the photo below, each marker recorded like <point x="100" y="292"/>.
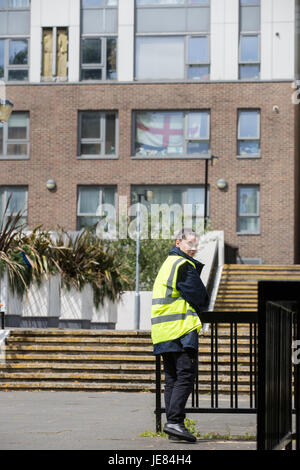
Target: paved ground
<point x="105" y="421"/>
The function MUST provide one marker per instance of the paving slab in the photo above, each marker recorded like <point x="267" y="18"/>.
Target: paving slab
<point x="106" y="421"/>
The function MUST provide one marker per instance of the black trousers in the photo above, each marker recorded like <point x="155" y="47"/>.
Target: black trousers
<point x="180" y="373"/>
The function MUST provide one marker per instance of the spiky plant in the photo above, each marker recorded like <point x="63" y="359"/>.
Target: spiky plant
<point x="11" y="259"/>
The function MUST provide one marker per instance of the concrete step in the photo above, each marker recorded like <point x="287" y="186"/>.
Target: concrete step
<point x="239" y="284"/>
<point x="107" y="387"/>
<point x="106" y="360"/>
<point x="135" y="369"/>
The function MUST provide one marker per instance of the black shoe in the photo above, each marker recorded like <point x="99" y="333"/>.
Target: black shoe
<point x="179" y="430"/>
<point x="174" y="438"/>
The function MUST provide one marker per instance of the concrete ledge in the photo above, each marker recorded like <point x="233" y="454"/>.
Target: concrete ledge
<point x="30" y="322"/>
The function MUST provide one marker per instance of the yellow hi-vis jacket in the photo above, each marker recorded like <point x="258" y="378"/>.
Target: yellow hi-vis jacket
<point x="171" y="315"/>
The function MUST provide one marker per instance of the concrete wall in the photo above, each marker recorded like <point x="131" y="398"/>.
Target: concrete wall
<point x="277" y="39"/>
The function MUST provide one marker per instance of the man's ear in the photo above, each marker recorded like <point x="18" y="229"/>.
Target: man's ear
<point x="177" y="242"/>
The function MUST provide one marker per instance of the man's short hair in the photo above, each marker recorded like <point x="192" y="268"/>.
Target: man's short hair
<point x="185" y="233"/>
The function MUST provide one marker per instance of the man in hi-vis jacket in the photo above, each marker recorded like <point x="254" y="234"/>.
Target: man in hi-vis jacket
<point x="178" y="298"/>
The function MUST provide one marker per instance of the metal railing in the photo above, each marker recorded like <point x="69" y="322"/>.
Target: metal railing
<point x="278" y="377"/>
<point x="265" y="357"/>
<point x="226" y="352"/>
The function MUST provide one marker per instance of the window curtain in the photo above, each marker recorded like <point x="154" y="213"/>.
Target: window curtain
<point x="17" y="126"/>
<point x="17" y="201"/>
<point x="195" y="196"/>
<point x="160" y="57"/>
<point x="90" y="199"/>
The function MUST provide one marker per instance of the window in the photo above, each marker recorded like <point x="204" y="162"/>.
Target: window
<point x="14" y="59"/>
<point x="55" y="54"/>
<point x="248" y="133"/>
<point x="15" y="4"/>
<point x="248" y="210"/>
<point x="97" y="134"/>
<point x="189" y="200"/>
<point x="99" y="56"/>
<point x="172" y="40"/>
<point x="172" y="2"/>
<point x="249" y="260"/>
<point x="99" y="29"/>
<point x="99" y="3"/>
<point x="160" y="57"/>
<point x="15" y="18"/>
<point x="16" y="198"/>
<point x="172" y="133"/>
<point x="99" y="17"/>
<point x="14" y="136"/>
<point x="198" y="58"/>
<point x="90" y="200"/>
<point x="249" y="60"/>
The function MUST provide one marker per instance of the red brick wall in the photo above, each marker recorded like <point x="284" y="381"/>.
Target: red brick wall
<point x="53" y="154"/>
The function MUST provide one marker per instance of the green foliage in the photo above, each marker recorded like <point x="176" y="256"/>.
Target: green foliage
<point x="152" y="255"/>
<point x="10" y="259"/>
<point x="84" y="259"/>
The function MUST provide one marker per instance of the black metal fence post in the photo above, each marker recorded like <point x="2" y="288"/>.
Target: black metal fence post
<point x="278" y="305"/>
<point x="158" y="408"/>
<point x="296" y="363"/>
<point x="2" y="314"/>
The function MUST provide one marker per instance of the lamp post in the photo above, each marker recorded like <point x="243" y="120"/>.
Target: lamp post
<point x="211" y="159"/>
<point x="5" y="110"/>
<point x="148" y="195"/>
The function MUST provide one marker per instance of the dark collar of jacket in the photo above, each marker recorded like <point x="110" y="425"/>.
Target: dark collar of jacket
<point x="177" y="252"/>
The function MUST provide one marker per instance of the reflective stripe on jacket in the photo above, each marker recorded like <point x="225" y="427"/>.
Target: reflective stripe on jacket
<point x="171" y="315"/>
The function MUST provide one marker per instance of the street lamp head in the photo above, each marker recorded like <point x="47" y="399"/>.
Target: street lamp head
<point x="51" y="185"/>
<point x="214" y="159"/>
<point x="222" y="183"/>
<point x="5" y="110"/>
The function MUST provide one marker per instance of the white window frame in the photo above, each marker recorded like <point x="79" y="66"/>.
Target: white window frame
<point x="7" y="141"/>
<point x="250" y="214"/>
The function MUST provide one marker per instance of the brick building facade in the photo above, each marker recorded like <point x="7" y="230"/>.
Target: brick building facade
<point x="57" y="112"/>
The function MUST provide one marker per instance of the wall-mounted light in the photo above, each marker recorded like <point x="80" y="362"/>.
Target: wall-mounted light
<point x="51" y="184"/>
<point x="5" y="110"/>
<point x="276" y="108"/>
<point x="222" y="183"/>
